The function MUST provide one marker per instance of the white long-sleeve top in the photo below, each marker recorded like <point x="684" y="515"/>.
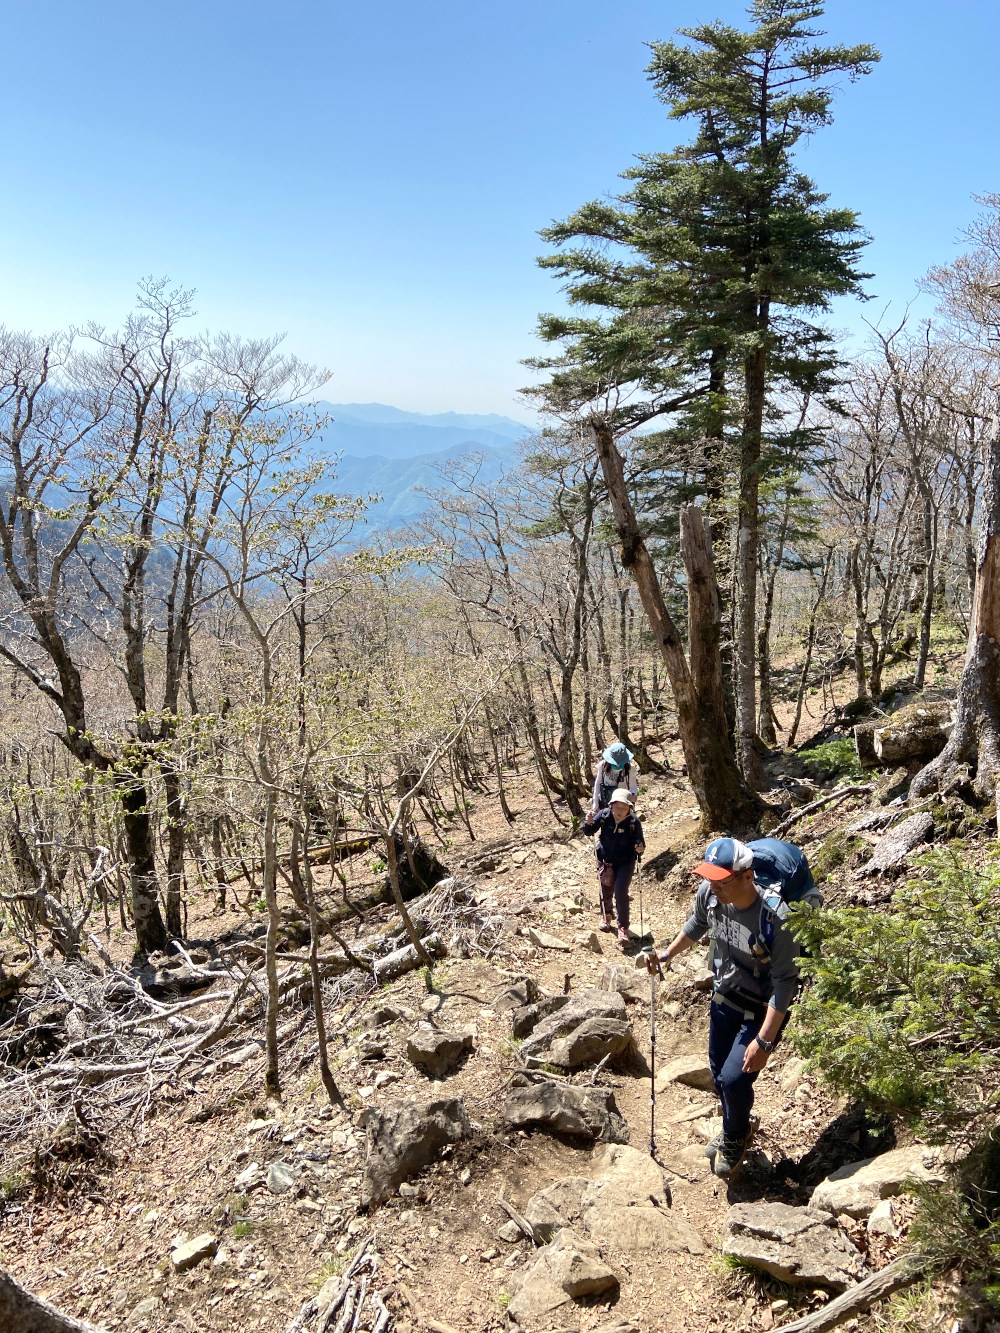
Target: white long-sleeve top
<point x="621" y="777"/>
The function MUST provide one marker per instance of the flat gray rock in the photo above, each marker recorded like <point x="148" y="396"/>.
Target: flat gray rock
<point x="625" y="1205"/>
<point x="855" y="1189"/>
<point x="692" y="1071"/>
<point x="592" y="1112"/>
<point x="516" y="996"/>
<point x="631" y="984"/>
<point x="280" y="1177"/>
<point x="800" y="1246"/>
<point x="194" y="1251"/>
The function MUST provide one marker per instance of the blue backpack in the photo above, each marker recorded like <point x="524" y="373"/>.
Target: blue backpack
<point x="782" y="875"/>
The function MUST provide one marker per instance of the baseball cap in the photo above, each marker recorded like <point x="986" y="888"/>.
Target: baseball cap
<point x="724" y="857"/>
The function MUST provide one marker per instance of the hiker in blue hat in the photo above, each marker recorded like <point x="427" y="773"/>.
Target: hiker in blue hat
<point x="742" y="905"/>
<point x="614" y="770"/>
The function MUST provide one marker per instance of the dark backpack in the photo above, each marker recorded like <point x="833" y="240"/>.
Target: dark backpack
<point x="782" y="875"/>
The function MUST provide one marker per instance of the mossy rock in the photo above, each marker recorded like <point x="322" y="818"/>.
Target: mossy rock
<point x="918" y="731"/>
<point x="841" y="848"/>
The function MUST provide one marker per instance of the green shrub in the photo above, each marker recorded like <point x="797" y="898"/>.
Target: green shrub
<point x="834" y="759"/>
<point x="904" y="1009"/>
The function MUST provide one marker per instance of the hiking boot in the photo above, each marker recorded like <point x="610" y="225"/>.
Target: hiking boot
<point x="713" y="1146"/>
<point x="623" y="934"/>
<point x="606" y="925"/>
<point x="729" y="1154"/>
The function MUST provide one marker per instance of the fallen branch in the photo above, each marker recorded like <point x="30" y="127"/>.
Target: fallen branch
<point x="519" y="1221"/>
<point x="831" y="797"/>
<point x="900" y="1273"/>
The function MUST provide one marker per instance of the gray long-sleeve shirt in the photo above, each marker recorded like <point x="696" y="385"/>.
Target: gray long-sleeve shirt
<point x="738" y="931"/>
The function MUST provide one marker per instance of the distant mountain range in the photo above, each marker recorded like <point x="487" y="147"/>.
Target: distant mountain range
<point x="366" y="429"/>
<point x="393" y="453"/>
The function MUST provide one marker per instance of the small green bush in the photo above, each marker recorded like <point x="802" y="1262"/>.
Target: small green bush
<point x="904" y="1007"/>
<point x="832" y="760"/>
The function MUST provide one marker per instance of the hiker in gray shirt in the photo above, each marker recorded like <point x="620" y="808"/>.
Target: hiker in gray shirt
<point x="754" y="961"/>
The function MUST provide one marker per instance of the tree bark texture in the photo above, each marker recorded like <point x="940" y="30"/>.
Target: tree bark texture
<point x="150" y="933"/>
<point x="21" y="1312"/>
<point x="975" y="739"/>
<point x="747" y="538"/>
<point x="725" y="800"/>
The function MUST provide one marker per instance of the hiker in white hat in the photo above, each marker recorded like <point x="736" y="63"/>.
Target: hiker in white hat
<point x="619" y="845"/>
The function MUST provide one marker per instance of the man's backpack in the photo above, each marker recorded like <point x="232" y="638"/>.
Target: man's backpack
<point x="782" y="875"/>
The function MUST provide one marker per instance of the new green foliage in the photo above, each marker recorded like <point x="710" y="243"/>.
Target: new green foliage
<point x="904" y="1006"/>
<point x="832" y="760"/>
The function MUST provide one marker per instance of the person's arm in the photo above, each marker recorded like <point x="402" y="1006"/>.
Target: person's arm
<point x="784" y="983"/>
<point x="597" y="786"/>
<point x="693" y="930"/>
<point x="756" y="1057"/>
<point x="678" y="944"/>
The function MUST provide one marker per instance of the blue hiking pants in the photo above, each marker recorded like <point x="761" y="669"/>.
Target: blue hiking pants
<point x="729" y="1035"/>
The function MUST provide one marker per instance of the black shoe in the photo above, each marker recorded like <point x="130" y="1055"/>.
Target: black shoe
<point x="730" y="1154"/>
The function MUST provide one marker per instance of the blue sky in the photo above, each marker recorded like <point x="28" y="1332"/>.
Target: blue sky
<point x="370" y="177"/>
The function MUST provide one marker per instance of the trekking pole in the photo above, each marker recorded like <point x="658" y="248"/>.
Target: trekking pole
<point x="652" y="1047"/>
<point x="642" y="932"/>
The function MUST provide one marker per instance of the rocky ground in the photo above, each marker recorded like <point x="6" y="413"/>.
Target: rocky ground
<point x="489" y="1166"/>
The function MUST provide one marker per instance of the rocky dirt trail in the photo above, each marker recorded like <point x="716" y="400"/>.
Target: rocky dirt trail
<point x="222" y="1211"/>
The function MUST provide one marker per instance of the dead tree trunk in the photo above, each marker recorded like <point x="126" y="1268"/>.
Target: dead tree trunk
<point x="20" y="1312"/>
<point x="976" y="737"/>
<point x="725" y="799"/>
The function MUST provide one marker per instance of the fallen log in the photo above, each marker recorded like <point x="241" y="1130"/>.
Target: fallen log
<point x="856" y="1300"/>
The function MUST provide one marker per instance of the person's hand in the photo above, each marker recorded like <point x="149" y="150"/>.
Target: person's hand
<point x="754" y="1058"/>
<point x="640" y="849"/>
<point x="589" y="817"/>
<point x="651" y="957"/>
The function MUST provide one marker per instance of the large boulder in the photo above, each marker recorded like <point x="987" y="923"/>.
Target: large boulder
<point x="855" y="1189"/>
<point x="590" y="1026"/>
<point x="800" y="1246"/>
<point x="405" y="1136"/>
<point x="592" y="1112"/>
<point x="918" y="731"/>
<point x="594" y="1040"/>
<point x="632" y="985"/>
<point x="567" y="1269"/>
<point x="435" y="1052"/>
<point x="525" y="1019"/>
<point x="625" y="1205"/>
